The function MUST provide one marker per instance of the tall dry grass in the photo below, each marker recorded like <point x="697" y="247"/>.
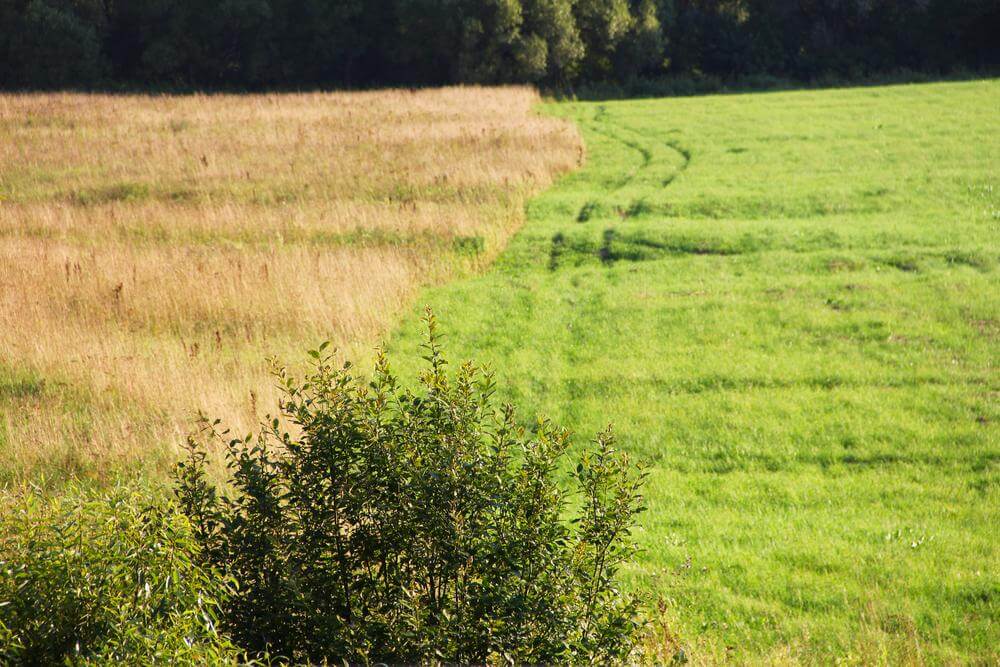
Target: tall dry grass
<point x="154" y="250"/>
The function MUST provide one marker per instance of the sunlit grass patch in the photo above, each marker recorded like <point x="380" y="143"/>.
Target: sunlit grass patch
<point x="787" y="304"/>
<point x="154" y="250"/>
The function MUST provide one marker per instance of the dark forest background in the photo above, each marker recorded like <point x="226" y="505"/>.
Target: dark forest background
<point x="252" y="44"/>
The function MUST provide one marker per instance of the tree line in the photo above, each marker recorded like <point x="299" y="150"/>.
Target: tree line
<point x="557" y="43"/>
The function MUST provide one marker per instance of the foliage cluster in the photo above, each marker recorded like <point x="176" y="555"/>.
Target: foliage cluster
<point x="105" y="577"/>
<point x="256" y="43"/>
<point x="399" y="526"/>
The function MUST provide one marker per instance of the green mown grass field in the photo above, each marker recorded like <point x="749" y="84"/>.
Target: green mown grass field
<point x="788" y="305"/>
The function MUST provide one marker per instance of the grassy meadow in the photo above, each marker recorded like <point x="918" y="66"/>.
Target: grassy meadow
<point x="788" y="304"/>
<point x="155" y="250"/>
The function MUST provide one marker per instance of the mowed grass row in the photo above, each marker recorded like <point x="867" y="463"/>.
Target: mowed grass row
<point x="155" y="250"/>
<point x="788" y="304"/>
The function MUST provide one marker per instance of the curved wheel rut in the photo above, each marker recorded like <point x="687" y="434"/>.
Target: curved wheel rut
<point x="649" y="162"/>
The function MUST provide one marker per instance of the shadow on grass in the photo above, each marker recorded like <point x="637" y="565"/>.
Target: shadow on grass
<point x="693" y="86"/>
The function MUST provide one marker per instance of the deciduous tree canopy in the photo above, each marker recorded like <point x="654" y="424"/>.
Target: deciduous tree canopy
<point x="260" y="43"/>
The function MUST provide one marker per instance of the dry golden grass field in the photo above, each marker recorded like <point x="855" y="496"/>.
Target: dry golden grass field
<point x="154" y="251"/>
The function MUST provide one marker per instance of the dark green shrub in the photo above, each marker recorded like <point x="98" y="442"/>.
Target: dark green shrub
<point x="409" y="526"/>
<point x="104" y="578"/>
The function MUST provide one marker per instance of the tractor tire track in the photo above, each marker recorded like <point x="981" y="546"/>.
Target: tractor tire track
<point x="596" y="126"/>
<point x="648" y="161"/>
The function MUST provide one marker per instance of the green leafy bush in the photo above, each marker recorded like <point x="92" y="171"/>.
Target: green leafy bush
<point x="406" y="526"/>
<point x="104" y="578"/>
